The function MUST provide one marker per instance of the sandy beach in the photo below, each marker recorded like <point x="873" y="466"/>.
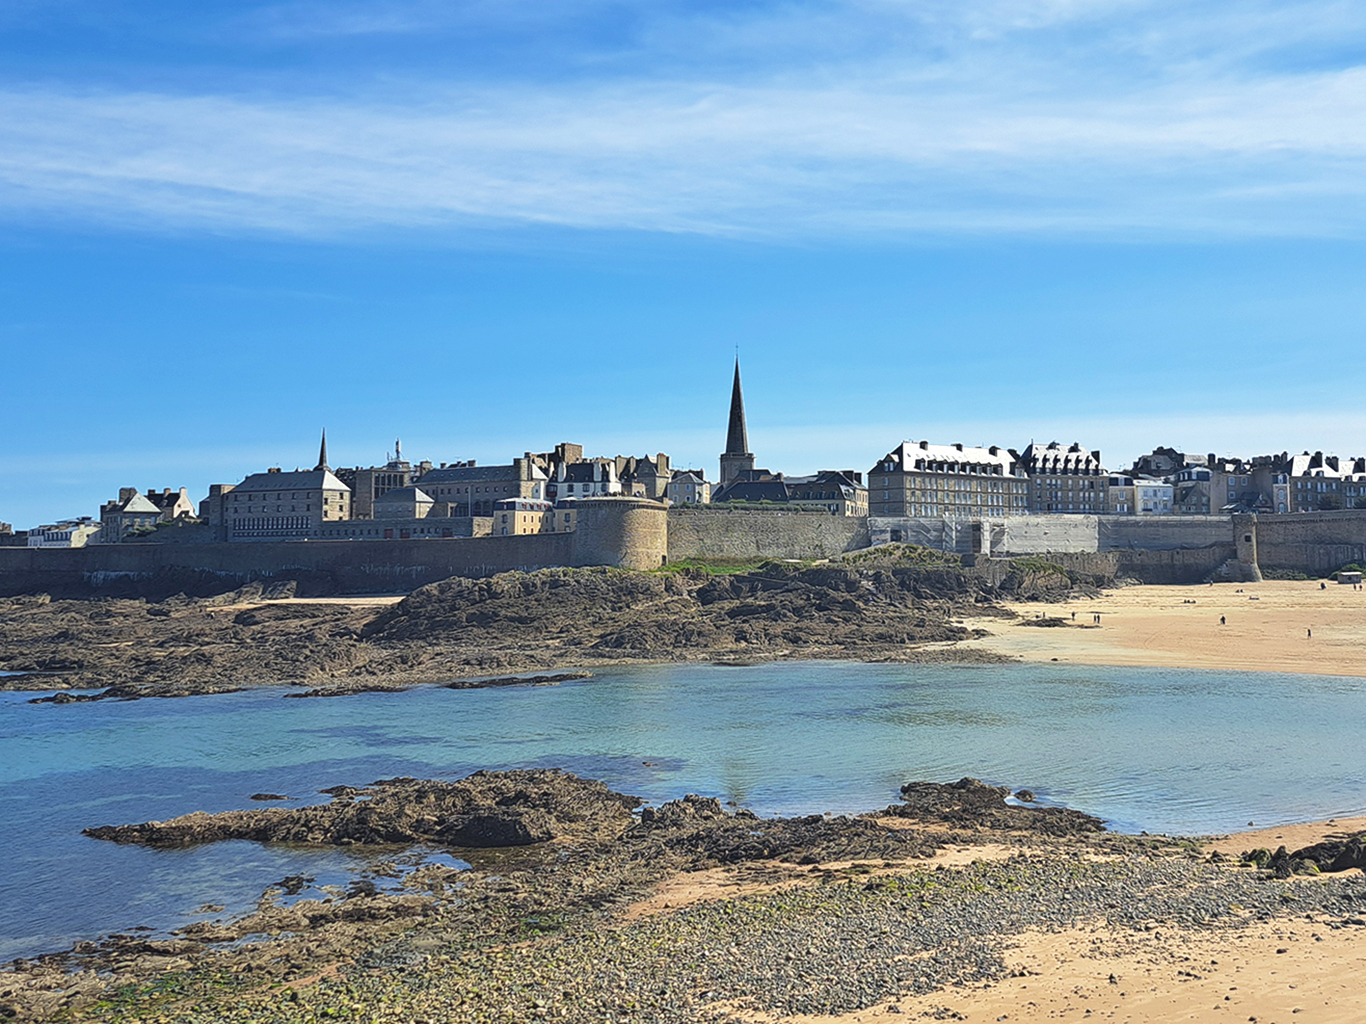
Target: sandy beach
<point x="1276" y="971"/>
<point x="1267" y="627"/>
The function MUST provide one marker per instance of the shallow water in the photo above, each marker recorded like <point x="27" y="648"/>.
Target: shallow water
<point x="1154" y="749"/>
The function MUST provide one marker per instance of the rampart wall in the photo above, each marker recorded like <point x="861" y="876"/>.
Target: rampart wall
<point x="719" y="532"/>
<point x="1311" y="542"/>
<point x="319" y="566"/>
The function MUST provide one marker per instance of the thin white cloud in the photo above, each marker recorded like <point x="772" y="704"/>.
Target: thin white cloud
<point x="998" y="136"/>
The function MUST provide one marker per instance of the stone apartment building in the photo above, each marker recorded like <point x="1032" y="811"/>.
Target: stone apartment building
<point x="472" y="490"/>
<point x="513" y="516"/>
<point x="66" y="533"/>
<point x="133" y="514"/>
<point x="1120" y="499"/>
<point x="595" y="478"/>
<point x="1064" y="479"/>
<point x="130" y="515"/>
<point x="1311" y="482"/>
<point x="689" y="487"/>
<point x="837" y="491"/>
<point x="1191" y="491"/>
<point x="919" y="479"/>
<point x="276" y="505"/>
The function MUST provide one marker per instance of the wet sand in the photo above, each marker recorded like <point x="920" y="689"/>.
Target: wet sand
<point x="1267" y="628"/>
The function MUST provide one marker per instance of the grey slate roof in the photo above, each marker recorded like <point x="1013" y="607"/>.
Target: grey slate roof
<point x="299" y="480"/>
<point x="403" y="496"/>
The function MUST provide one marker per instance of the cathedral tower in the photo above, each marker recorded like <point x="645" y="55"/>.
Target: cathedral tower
<point x="737" y="457"/>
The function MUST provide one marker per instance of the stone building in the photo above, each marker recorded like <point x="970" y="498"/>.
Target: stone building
<point x="1309" y="482"/>
<point x="1120" y="499"/>
<point x="837" y="491"/>
<point x="549" y="463"/>
<point x="644" y="477"/>
<point x="1163" y="462"/>
<point x="368" y="484"/>
<point x="1064" y="479"/>
<point x="689" y="487"/>
<point x="1192" y="489"/>
<point x="1237" y="486"/>
<point x="513" y="516"/>
<point x="472" y="490"/>
<point x="737" y="459"/>
<point x="129" y="516"/>
<point x="919" y="479"/>
<point x="596" y="478"/>
<point x="276" y="505"/>
<point x="403" y="503"/>
<point x="173" y="504"/>
<point x="1152" y="497"/>
<point x="752" y="486"/>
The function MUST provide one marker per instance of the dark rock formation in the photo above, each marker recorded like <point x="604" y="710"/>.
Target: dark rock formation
<point x="514" y="808"/>
<point x="1337" y="853"/>
<point x="971" y="803"/>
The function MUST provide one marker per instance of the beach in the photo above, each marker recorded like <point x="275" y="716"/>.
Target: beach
<point x="1267" y="628"/>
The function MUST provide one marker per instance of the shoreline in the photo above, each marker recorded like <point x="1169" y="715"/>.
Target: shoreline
<point x="1294" y="627"/>
<point x="967" y="850"/>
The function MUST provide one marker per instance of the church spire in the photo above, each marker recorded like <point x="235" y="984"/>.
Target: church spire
<point x="737" y="438"/>
<point x="322" y="455"/>
<point x="736" y="459"/>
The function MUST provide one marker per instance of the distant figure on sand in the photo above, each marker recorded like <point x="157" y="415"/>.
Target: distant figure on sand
<point x="1222" y="621"/>
<point x="1308" y="632"/>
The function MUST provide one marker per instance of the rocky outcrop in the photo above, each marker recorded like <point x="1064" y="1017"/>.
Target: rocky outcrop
<point x="971" y="803"/>
<point x="459" y="628"/>
<point x="488" y="809"/>
<point x="1336" y="854"/>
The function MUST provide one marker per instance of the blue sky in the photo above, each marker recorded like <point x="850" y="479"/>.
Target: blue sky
<point x="492" y="225"/>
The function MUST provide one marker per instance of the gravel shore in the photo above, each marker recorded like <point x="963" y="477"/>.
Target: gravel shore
<point x="555" y="930"/>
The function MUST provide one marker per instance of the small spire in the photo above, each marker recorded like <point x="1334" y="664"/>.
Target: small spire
<point x="398" y="450"/>
<point x="322" y="455"/>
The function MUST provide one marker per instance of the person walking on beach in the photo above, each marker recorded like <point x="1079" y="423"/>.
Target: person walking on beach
<point x="1223" y="621"/>
<point x="1309" y="632"/>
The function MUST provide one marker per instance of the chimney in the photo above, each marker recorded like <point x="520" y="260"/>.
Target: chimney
<point x="273" y="469"/>
<point x="126" y="494"/>
<point x="994" y="450"/>
<point x="958" y="445"/>
<point x="925" y="445"/>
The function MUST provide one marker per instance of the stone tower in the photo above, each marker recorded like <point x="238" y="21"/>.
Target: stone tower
<point x="737" y="457"/>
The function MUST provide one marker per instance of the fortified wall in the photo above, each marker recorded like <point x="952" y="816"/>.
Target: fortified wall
<point x="715" y="531"/>
<point x="621" y="532"/>
<point x="1315" y="543"/>
<point x="637" y="534"/>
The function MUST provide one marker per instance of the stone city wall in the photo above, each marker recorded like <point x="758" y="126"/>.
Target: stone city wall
<point x="1315" y="543"/>
<point x="720" y="532"/>
<point x="621" y="532"/>
<point x="319" y="566"/>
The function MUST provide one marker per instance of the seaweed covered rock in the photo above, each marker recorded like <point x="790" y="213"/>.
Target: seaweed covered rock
<point x="971" y="803"/>
<point x="488" y="809"/>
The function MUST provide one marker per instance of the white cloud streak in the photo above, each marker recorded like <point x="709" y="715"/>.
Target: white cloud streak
<point x="1001" y="139"/>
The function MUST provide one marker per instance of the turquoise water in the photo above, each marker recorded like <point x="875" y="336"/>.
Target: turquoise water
<point x="1151" y="749"/>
